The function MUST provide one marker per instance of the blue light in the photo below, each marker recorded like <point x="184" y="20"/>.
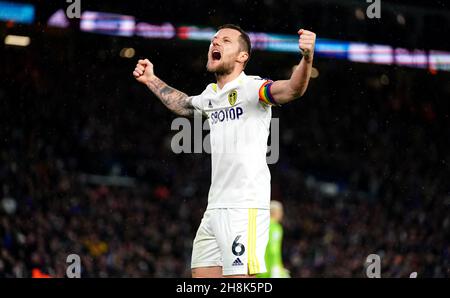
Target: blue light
<point x="16" y="12"/>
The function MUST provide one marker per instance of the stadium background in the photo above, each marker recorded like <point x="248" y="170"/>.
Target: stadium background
<point x="86" y="165"/>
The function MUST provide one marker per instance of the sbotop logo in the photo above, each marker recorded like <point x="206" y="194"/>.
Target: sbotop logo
<point x="248" y="139"/>
<point x="226" y="114"/>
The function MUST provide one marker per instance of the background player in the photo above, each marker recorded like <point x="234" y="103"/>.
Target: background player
<point x="273" y="257"/>
<point x="233" y="234"/>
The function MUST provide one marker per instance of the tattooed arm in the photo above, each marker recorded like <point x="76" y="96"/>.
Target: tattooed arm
<point x="175" y="100"/>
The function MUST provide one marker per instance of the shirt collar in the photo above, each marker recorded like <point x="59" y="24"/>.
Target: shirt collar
<point x="238" y="79"/>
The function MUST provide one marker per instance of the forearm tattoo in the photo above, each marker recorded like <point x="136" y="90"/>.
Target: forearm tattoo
<point x="175" y="100"/>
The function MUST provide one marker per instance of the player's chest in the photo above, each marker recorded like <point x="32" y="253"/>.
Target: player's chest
<point x="226" y="107"/>
<point x="225" y="99"/>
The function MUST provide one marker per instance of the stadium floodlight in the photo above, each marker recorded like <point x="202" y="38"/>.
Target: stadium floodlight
<point x="107" y="23"/>
<point x="127" y="53"/>
<point x="17" y="40"/>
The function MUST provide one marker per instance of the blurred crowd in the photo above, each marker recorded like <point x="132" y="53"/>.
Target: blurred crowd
<point x="378" y="134"/>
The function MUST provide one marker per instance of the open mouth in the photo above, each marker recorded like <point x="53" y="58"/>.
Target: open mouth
<point x="216" y="55"/>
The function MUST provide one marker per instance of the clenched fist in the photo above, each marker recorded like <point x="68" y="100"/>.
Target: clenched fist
<point x="143" y="71"/>
<point x="306" y="43"/>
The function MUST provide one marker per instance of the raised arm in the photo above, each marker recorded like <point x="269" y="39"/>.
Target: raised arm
<point x="175" y="100"/>
<point x="284" y="91"/>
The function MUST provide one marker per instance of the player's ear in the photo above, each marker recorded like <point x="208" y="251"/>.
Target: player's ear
<point x="243" y="57"/>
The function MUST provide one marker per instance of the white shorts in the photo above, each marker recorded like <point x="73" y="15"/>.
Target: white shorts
<point x="234" y="239"/>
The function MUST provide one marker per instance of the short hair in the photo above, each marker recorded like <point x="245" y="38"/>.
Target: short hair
<point x="276" y="205"/>
<point x="244" y="39"/>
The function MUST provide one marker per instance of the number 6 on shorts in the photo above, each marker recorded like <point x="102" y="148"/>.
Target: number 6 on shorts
<point x="238" y="249"/>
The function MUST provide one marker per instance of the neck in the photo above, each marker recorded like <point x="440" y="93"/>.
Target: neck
<point x="223" y="78"/>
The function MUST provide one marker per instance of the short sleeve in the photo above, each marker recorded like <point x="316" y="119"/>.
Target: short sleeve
<point x="198" y="101"/>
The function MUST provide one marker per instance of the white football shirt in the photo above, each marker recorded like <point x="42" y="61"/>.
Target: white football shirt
<point x="239" y="117"/>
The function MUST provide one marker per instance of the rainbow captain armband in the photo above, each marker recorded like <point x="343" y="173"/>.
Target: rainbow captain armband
<point x="264" y="94"/>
